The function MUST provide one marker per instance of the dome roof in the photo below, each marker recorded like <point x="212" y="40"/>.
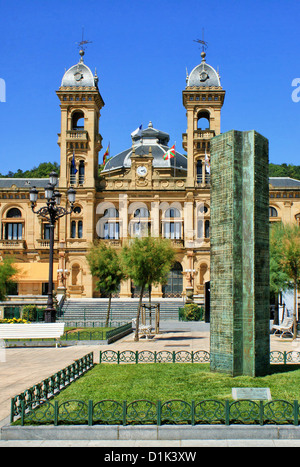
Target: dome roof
<point x="203" y="75"/>
<point x="150" y="137"/>
<point x="79" y="75"/>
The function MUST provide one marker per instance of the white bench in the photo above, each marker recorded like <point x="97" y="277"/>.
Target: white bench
<point x="285" y="327"/>
<point x="32" y="331"/>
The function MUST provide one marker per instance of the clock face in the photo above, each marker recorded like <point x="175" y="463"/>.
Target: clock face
<point x="203" y="76"/>
<point x="78" y="76"/>
<point x="141" y="171"/>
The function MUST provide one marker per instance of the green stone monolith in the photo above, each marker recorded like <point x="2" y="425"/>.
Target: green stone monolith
<point x="239" y="329"/>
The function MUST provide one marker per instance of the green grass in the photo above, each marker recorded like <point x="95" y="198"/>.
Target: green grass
<point x="175" y="381"/>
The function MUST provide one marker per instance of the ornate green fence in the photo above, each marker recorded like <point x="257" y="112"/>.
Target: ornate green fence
<point x="145" y="412"/>
<point x="40" y="393"/>
<point x="34" y="406"/>
<point x="92" y="334"/>
<point x="182" y="356"/>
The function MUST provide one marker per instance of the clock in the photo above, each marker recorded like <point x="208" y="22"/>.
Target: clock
<point x="203" y="76"/>
<point x="78" y="76"/>
<point x="141" y="171"/>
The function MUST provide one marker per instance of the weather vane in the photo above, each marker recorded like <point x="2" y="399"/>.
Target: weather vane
<point x="199" y="41"/>
<point x="82" y="44"/>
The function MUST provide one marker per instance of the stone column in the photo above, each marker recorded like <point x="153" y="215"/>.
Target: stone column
<point x="240" y="340"/>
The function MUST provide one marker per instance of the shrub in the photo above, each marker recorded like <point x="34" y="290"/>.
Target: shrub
<point x="191" y="312"/>
<point x="32" y="313"/>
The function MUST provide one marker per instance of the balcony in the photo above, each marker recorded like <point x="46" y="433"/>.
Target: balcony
<point x="77" y="135"/>
<point x="12" y="244"/>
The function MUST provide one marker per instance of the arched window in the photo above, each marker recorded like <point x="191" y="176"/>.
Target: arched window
<point x="174" y="286"/>
<point x="13" y="230"/>
<point x="111" y="228"/>
<point x="172" y="228"/>
<point x="81" y="172"/>
<point x="172" y="212"/>
<point x="73" y="229"/>
<point x="273" y="212"/>
<point x="203" y="120"/>
<point x="111" y="212"/>
<point x="80" y="225"/>
<point x="206" y="233"/>
<point x="13" y="212"/>
<point x="140" y="225"/>
<point x="141" y="212"/>
<point x="199" y="171"/>
<point x="78" y="120"/>
<point x="76" y="229"/>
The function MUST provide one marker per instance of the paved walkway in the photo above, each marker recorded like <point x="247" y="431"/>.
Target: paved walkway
<point x="22" y="368"/>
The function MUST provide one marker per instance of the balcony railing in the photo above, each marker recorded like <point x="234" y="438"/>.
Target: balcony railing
<point x="12" y="244"/>
<point x="77" y="135"/>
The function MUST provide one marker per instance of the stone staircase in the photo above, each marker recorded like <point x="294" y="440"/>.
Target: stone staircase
<point x="94" y="310"/>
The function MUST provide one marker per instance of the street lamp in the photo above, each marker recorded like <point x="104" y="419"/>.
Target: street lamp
<point x="51" y="212"/>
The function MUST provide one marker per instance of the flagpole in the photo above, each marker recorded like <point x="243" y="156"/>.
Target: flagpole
<point x="174" y="159"/>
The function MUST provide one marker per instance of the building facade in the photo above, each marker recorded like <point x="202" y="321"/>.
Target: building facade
<point x="139" y="192"/>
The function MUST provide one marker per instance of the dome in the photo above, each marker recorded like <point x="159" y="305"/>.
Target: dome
<point x="203" y="75"/>
<point x="79" y="75"/>
<point x="158" y="141"/>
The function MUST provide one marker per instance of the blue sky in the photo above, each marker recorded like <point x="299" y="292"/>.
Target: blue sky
<point x="141" y="50"/>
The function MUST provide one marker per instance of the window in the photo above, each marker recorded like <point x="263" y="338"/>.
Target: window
<point x="203" y="120"/>
<point x="273" y="212"/>
<point x="13" y="230"/>
<point x="13" y="212"/>
<point x="174" y="286"/>
<point x="172" y="229"/>
<point x="111" y="231"/>
<point x="111" y="212"/>
<point x="81" y="172"/>
<point x="140" y="225"/>
<point x="78" y="120"/>
<point x="79" y="229"/>
<point x="76" y="229"/>
<point x="46" y="231"/>
<point x="110" y="228"/>
<point x="206" y="233"/>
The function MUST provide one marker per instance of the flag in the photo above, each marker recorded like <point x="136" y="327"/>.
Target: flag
<point x="207" y="163"/>
<point x="170" y="153"/>
<point x="137" y="132"/>
<point x="106" y="154"/>
<point x="74" y="170"/>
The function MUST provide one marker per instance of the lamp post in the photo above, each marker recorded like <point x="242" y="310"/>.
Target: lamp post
<point x="52" y="212"/>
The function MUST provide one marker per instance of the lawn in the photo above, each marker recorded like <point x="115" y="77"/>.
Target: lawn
<point x="163" y="381"/>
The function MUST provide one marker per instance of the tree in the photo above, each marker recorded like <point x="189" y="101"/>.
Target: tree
<point x="285" y="241"/>
<point x="147" y="260"/>
<point x="105" y="265"/>
<point x="7" y="273"/>
<point x="279" y="280"/>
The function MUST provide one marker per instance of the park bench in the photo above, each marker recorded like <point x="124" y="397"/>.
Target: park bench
<point x="32" y="331"/>
<point x="285" y="327"/>
<point x="144" y="329"/>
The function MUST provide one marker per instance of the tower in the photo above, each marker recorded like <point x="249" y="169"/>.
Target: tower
<point x="79" y="140"/>
<point x="203" y="99"/>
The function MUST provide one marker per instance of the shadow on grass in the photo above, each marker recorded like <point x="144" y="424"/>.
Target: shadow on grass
<point x="277" y="368"/>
